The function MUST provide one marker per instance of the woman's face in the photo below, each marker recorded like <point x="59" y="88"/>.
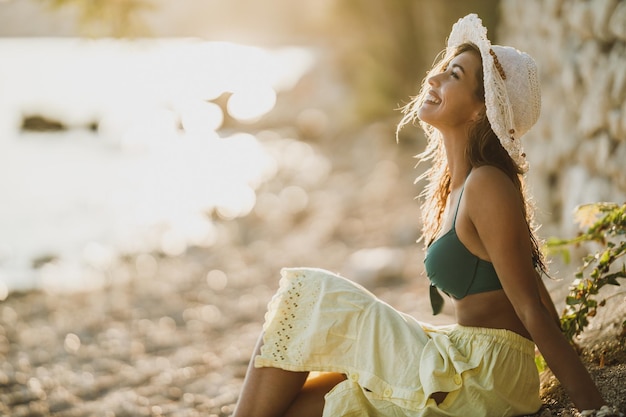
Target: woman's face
<point x="452" y="102"/>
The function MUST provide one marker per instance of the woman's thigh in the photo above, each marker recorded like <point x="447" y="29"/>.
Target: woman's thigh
<point x="310" y="401"/>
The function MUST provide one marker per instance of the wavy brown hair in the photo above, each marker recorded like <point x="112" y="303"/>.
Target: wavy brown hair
<point x="483" y="148"/>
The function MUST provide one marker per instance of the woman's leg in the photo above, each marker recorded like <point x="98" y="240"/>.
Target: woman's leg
<point x="268" y="392"/>
<point x="273" y="392"/>
<point x="310" y="400"/>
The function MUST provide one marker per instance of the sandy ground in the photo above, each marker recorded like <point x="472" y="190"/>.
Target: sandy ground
<point x="173" y="336"/>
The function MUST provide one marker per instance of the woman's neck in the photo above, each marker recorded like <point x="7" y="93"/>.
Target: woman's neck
<point x="458" y="164"/>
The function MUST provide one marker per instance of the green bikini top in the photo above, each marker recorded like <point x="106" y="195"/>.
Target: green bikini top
<point x="451" y="267"/>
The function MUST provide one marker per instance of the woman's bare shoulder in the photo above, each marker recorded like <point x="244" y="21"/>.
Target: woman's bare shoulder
<point x="491" y="196"/>
<point x="490" y="181"/>
<point x="488" y="174"/>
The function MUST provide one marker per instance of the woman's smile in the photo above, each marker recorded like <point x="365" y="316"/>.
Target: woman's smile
<point x="432" y="98"/>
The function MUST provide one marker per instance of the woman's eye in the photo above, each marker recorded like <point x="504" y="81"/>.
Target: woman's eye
<point x="454" y="75"/>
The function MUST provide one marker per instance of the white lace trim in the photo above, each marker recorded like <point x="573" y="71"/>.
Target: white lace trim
<point x="286" y="318"/>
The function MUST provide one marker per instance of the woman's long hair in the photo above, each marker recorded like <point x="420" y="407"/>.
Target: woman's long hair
<point x="483" y="148"/>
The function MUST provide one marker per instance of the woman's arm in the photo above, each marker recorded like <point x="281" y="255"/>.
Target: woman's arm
<point x="494" y="207"/>
<point x="547" y="300"/>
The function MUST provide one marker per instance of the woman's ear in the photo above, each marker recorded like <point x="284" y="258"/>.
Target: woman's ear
<point x="479" y="114"/>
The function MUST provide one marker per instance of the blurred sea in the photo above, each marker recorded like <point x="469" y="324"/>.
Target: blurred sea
<point x="73" y="200"/>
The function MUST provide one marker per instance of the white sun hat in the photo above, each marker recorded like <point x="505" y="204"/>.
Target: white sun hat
<point x="512" y="91"/>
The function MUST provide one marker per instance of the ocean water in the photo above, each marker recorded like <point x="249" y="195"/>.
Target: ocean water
<point x="158" y="162"/>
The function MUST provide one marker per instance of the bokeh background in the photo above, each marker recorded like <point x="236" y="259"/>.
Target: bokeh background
<point x="132" y="126"/>
<point x="160" y="161"/>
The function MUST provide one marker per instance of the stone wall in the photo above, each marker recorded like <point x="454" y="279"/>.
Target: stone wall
<point x="577" y="151"/>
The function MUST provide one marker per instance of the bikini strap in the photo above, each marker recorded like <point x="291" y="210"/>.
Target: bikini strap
<point x="459" y="202"/>
<point x="457" y="207"/>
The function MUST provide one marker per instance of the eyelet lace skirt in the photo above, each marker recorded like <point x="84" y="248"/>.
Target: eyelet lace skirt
<point x="319" y="321"/>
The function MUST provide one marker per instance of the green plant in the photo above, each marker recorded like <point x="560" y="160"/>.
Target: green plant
<point x="605" y="223"/>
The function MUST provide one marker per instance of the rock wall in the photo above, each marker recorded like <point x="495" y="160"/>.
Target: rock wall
<point x="577" y="150"/>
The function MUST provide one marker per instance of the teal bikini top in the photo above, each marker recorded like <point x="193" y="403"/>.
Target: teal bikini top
<point x="451" y="267"/>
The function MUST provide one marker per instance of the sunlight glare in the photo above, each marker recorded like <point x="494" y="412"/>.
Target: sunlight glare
<point x="173" y="243"/>
<point x="201" y="117"/>
<point x="149" y="129"/>
<point x="197" y="229"/>
<point x="140" y="157"/>
<point x="64" y="276"/>
<point x="236" y="203"/>
<point x="99" y="256"/>
<point x="251" y="104"/>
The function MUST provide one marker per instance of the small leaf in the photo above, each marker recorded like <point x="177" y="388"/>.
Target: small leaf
<point x="540" y="363"/>
<point x="570" y="301"/>
<point x="587" y="214"/>
<point x="606" y="257"/>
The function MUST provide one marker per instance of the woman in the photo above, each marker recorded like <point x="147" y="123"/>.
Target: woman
<point x="474" y="105"/>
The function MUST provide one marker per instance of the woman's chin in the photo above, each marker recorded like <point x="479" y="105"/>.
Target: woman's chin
<point x="422" y="115"/>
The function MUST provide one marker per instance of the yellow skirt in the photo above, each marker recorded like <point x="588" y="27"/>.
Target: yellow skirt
<point x="319" y="321"/>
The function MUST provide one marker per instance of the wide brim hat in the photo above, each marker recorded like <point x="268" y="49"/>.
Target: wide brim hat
<point x="511" y="84"/>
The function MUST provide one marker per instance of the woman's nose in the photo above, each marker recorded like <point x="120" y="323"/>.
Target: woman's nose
<point x="433" y="80"/>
